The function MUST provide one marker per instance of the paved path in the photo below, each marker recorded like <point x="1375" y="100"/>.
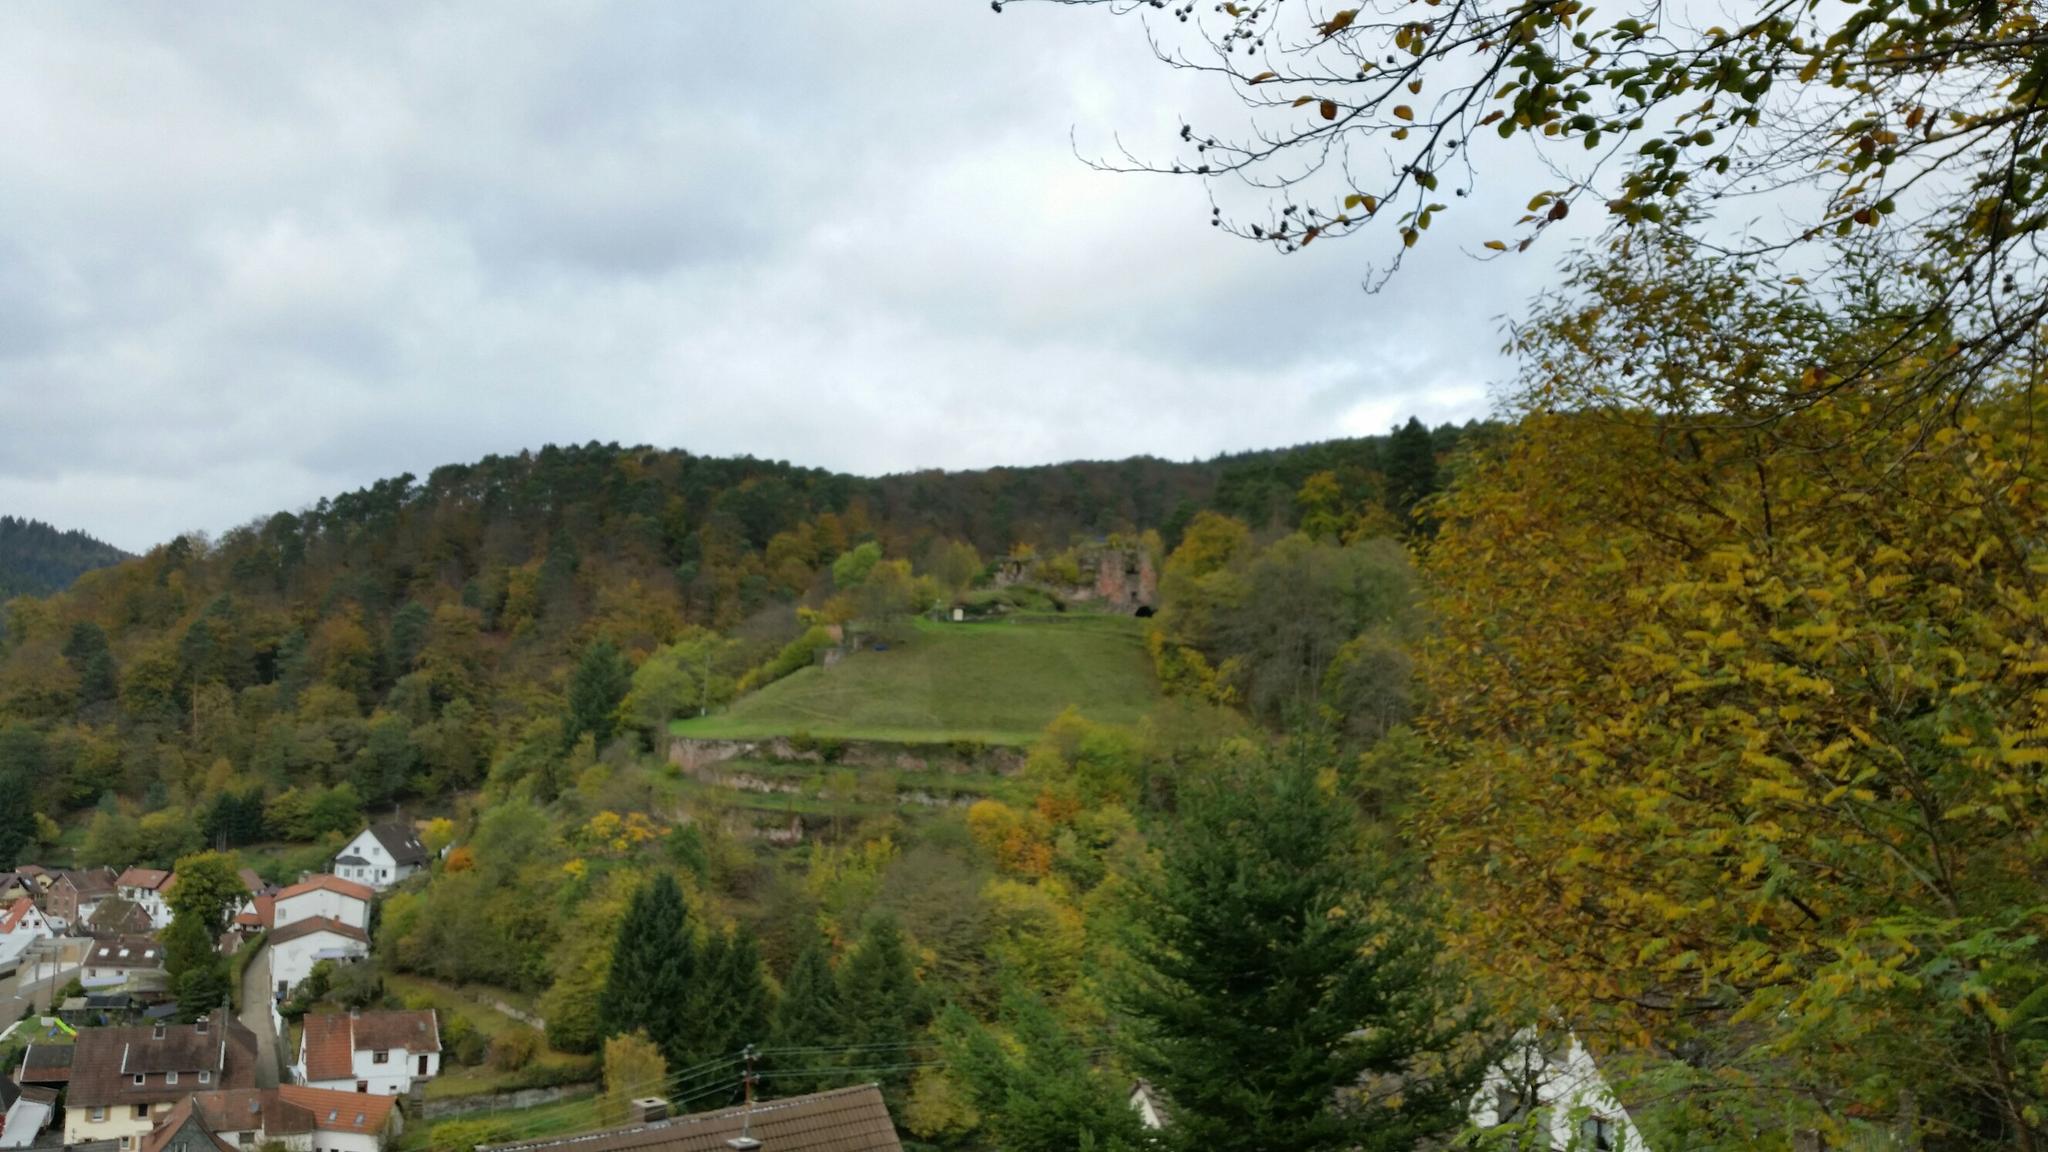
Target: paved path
<point x="18" y="994"/>
<point x="256" y="1015"/>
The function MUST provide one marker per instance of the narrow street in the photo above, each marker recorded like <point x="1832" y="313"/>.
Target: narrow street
<point x="33" y="987"/>
<point x="256" y="1015"/>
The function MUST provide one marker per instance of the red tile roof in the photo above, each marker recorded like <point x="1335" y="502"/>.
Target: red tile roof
<point x="333" y="1039"/>
<point x="340" y="1111"/>
<point x="326" y="883"/>
<point x="312" y="924"/>
<point x="105" y="1062"/>
<point x="263" y="915"/>
<point x="148" y="878"/>
<point x="16" y="915"/>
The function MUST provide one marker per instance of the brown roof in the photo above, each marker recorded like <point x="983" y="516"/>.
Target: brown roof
<point x="332" y="1039"/>
<point x="340" y="1111"/>
<point x="150" y="878"/>
<point x="263" y="916"/>
<point x="312" y="924"/>
<point x="399" y="839"/>
<point x="846" y="1120"/>
<point x="89" y="881"/>
<point x="46" y="1064"/>
<point x="118" y="917"/>
<point x="244" y="1109"/>
<point x="125" y="952"/>
<point x="107" y="1060"/>
<point x="326" y="883"/>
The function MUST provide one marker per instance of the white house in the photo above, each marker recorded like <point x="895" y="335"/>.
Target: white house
<point x="148" y="889"/>
<point x="1554" y="1086"/>
<point x="113" y="962"/>
<point x="347" y="1121"/>
<point x="381" y="855"/>
<point x="328" y="896"/>
<point x="22" y="925"/>
<point x="294" y="948"/>
<point x="379" y="1053"/>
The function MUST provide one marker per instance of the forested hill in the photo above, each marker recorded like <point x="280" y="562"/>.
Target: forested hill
<point x="37" y="559"/>
<point x="403" y="640"/>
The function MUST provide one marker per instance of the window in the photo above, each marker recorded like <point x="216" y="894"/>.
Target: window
<point x="139" y="1078"/>
<point x="361" y="1086"/>
<point x="206" y="1077"/>
<point x="245" y="1138"/>
<point x="170" y="1077"/>
<point x="1597" y="1133"/>
<point x="124" y="1144"/>
<point x="380" y="1058"/>
<point x="142" y="1111"/>
<point x="99" y="1115"/>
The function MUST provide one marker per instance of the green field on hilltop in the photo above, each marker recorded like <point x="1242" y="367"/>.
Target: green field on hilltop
<point x="999" y="683"/>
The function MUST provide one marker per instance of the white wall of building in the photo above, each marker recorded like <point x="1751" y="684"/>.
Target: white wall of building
<point x="293" y="960"/>
<point x="379" y="871"/>
<point x="1572" y="1102"/>
<point x="321" y="902"/>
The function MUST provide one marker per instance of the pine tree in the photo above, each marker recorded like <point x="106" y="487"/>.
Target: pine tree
<point x="1411" y="469"/>
<point x="654" y="965"/>
<point x="739" y="1011"/>
<point x="883" y="1005"/>
<point x="1041" y="1092"/>
<point x="807" y="1017"/>
<point x="1272" y="972"/>
<point x="198" y="972"/>
<point x="600" y="684"/>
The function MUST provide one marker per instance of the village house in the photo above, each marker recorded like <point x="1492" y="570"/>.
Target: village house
<point x="121" y="962"/>
<point x="379" y="1053"/>
<point x="125" y="1080"/>
<point x="45" y="1066"/>
<point x="323" y="896"/>
<point x="148" y="889"/>
<point x="20" y="926"/>
<point x="115" y="916"/>
<point x="382" y="855"/>
<point x="1552" y="1085"/>
<point x="295" y="1119"/>
<point x="73" y="895"/>
<point x="844" y="1120"/>
<point x="294" y="948"/>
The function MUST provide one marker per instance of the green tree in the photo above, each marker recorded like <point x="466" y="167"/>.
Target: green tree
<point x="1411" y="470"/>
<point x="678" y="679"/>
<point x="882" y="1004"/>
<point x="633" y="1070"/>
<point x="809" y="1014"/>
<point x="851" y="569"/>
<point x="99" y="681"/>
<point x="17" y="817"/>
<point x="596" y="689"/>
<point x="208" y="891"/>
<point x="736" y="1007"/>
<point x="651" y="985"/>
<point x="1275" y="966"/>
<point x="1036" y="1089"/>
<point x="197" y="970"/>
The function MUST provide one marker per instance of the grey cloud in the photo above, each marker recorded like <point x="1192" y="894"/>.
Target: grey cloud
<point x="253" y="256"/>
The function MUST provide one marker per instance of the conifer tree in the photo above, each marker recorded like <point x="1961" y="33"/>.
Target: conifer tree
<point x="198" y="972"/>
<point x="1040" y="1092"/>
<point x="883" y="1006"/>
<point x="1411" y="469"/>
<point x="654" y="965"/>
<point x="1272" y="973"/>
<point x="738" y="1009"/>
<point x="598" y="686"/>
<point x="808" y="1018"/>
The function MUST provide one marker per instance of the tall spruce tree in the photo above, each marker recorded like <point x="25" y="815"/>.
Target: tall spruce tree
<point x="1411" y="469"/>
<point x="737" y="1009"/>
<point x="808" y="1018"/>
<point x="654" y="968"/>
<point x="1272" y="973"/>
<point x="600" y="683"/>
<point x="883" y="1006"/>
<point x="1041" y="1091"/>
<point x="197" y="971"/>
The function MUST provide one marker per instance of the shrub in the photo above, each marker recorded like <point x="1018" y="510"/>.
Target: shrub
<point x="461" y="1040"/>
<point x="514" y="1048"/>
<point x="465" y="1135"/>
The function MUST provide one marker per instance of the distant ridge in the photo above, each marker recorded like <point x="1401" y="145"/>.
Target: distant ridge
<point x="37" y="559"/>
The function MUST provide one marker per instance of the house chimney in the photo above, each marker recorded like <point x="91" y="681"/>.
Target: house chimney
<point x="650" y="1109"/>
<point x="743" y="1144"/>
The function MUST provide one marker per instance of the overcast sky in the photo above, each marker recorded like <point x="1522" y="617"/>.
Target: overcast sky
<point x="252" y="255"/>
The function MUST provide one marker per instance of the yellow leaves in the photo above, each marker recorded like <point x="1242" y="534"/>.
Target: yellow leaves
<point x="1262" y="77"/>
<point x="1338" y="22"/>
<point x="1360" y="200"/>
<point x="1497" y="245"/>
<point x="1403" y="112"/>
<point x="1328" y="109"/>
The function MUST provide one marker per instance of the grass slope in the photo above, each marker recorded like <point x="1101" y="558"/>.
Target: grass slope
<point x="999" y="683"/>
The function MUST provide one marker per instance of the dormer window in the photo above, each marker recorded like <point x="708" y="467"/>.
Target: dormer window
<point x="206" y="1077"/>
<point x="170" y="1077"/>
<point x="157" y="1033"/>
<point x="139" y="1079"/>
